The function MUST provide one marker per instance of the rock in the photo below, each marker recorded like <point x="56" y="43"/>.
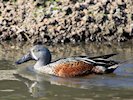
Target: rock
<point x="66" y="21"/>
<point x="67" y="9"/>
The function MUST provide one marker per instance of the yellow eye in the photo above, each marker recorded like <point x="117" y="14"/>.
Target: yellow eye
<point x="34" y="50"/>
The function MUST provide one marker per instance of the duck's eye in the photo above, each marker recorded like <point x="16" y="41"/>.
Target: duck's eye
<point x="33" y="50"/>
<point x="38" y="50"/>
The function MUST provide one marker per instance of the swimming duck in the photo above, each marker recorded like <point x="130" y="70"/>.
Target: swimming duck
<point x="68" y="67"/>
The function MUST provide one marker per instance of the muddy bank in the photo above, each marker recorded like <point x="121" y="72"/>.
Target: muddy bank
<point x="62" y="21"/>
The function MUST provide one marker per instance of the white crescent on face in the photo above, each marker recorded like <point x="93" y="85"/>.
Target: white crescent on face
<point x="33" y="55"/>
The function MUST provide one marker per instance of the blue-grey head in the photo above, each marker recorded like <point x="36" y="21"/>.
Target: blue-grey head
<point x="39" y="53"/>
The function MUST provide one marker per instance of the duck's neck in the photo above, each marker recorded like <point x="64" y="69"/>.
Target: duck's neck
<point x="40" y="63"/>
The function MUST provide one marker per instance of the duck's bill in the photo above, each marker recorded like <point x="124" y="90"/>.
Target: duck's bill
<point x="25" y="58"/>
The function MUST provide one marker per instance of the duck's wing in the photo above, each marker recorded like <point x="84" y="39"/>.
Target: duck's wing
<point x="101" y="60"/>
<point x="71" y="67"/>
<point x="96" y="60"/>
<point x="77" y="66"/>
<point x="103" y="56"/>
<point x="104" y="62"/>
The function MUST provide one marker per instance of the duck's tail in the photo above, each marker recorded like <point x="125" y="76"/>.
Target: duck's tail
<point x="112" y="68"/>
<point x="113" y="65"/>
<point x="104" y="65"/>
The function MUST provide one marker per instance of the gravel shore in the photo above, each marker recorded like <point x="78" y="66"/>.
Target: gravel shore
<point x="63" y="21"/>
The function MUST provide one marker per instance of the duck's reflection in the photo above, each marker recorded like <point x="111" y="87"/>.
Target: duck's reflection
<point x="39" y="84"/>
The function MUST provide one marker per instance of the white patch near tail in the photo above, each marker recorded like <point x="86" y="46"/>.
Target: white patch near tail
<point x="99" y="69"/>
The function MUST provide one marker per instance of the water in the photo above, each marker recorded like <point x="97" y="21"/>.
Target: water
<point x="21" y="83"/>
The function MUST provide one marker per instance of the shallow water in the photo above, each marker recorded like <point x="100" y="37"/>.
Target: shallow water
<point x="21" y="83"/>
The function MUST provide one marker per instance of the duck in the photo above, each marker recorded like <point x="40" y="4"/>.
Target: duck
<point x="71" y="66"/>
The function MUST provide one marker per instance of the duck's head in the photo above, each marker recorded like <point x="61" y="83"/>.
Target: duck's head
<point x="38" y="53"/>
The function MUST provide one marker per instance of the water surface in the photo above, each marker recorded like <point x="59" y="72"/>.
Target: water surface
<point x="21" y="83"/>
